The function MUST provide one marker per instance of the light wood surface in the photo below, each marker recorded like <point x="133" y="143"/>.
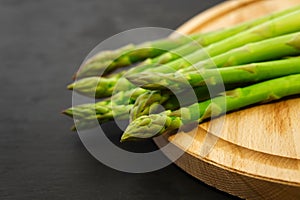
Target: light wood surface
<point x="256" y="153"/>
<point x="271" y="128"/>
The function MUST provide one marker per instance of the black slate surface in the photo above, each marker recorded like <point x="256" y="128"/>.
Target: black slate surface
<point x="42" y="43"/>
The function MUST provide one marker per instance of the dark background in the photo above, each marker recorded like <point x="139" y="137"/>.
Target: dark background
<point x="42" y="43"/>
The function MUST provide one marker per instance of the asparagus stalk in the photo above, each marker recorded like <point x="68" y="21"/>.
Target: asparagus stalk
<point x="273" y="48"/>
<point x="212" y="78"/>
<point x="208" y="39"/>
<point x="151" y="125"/>
<point x="152" y="101"/>
<point x="99" y="87"/>
<point x="249" y="73"/>
<point x="105" y="86"/>
<point x="131" y="53"/>
<point x="214" y="37"/>
<point x="277" y="27"/>
<point x="116" y="107"/>
<point x="269" y="49"/>
<point x="148" y="102"/>
<point x="104" y="106"/>
<point x="141" y="102"/>
<point x="109" y="109"/>
<point x="108" y="61"/>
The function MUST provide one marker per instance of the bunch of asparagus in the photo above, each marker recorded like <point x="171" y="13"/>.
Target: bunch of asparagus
<point x="253" y="62"/>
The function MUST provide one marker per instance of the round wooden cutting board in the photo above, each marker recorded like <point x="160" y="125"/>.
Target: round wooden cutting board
<point x="252" y="153"/>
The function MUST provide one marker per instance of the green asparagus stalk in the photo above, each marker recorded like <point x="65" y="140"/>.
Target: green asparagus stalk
<point x="269" y="49"/>
<point x="147" y="102"/>
<point x="116" y="107"/>
<point x="130" y="54"/>
<point x="105" y="86"/>
<point x="153" y="101"/>
<point x="99" y="87"/>
<point x="212" y="78"/>
<point x="108" y="110"/>
<point x="249" y="73"/>
<point x="277" y="27"/>
<point x="108" y="61"/>
<point x="168" y="121"/>
<point x="104" y="106"/>
<point x="208" y="39"/>
<point x="273" y="48"/>
<point x="295" y="44"/>
<point x="214" y="37"/>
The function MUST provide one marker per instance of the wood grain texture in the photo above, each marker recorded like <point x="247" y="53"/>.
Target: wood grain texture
<point x="239" y="171"/>
<point x="256" y="155"/>
<point x="271" y="128"/>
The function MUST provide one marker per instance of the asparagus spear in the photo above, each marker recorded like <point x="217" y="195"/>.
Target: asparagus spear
<point x="108" y="61"/>
<point x="269" y="49"/>
<point x="168" y="121"/>
<point x="120" y="108"/>
<point x="104" y="106"/>
<point x="279" y="26"/>
<point x="151" y="101"/>
<point x="212" y="78"/>
<point x="273" y="48"/>
<point x="105" y="86"/>
<point x="148" y="102"/>
<point x="208" y="39"/>
<point x="248" y="73"/>
<point x="214" y="37"/>
<point x="98" y="63"/>
<point x="99" y="87"/>
<point x="237" y="74"/>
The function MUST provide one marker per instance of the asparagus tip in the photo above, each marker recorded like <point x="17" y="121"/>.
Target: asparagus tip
<point x="71" y="86"/>
<point x="146" y="126"/>
<point x="123" y="138"/>
<point x="67" y="112"/>
<point x="126" y="137"/>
